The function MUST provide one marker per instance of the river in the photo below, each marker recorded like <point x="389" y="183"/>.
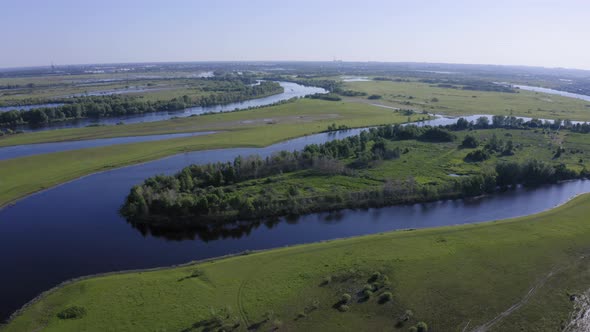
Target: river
<point x="25" y="150"/>
<point x="75" y="229"/>
<point x="291" y="90"/>
<point x="549" y="91"/>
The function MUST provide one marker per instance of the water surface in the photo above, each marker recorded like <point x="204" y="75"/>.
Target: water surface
<point x="17" y="151"/>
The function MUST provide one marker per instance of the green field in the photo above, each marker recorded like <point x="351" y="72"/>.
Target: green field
<point x="420" y="96"/>
<point x="453" y="278"/>
<point x="253" y="128"/>
<point x="44" y="88"/>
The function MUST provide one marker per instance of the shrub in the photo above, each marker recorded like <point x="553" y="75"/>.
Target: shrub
<point x="422" y="327"/>
<point x="326" y="280"/>
<point x="367" y="293"/>
<point x="74" y="312"/>
<point x="373" y="97"/>
<point x="343" y="308"/>
<point x="469" y="142"/>
<point x="375" y="276"/>
<point x="386" y="297"/>
<point x="477" y="155"/>
<point x="345" y="298"/>
<point x="413" y="329"/>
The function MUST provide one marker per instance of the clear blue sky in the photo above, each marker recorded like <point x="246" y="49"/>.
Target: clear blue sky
<point x="520" y="32"/>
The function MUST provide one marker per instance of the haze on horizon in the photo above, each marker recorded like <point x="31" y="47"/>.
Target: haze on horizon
<point x="519" y="32"/>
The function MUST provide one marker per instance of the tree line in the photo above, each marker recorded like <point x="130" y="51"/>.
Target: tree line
<point x="120" y="105"/>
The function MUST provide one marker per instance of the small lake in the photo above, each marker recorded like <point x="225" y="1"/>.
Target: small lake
<point x="28" y="107"/>
<point x="75" y="229"/>
<point x="17" y="151"/>
<point x="291" y="90"/>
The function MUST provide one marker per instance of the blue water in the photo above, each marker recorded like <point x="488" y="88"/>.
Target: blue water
<point x="16" y="151"/>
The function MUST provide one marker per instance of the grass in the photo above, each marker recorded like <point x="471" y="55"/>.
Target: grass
<point x="449" y="277"/>
<point x="456" y="102"/>
<point x="23" y="176"/>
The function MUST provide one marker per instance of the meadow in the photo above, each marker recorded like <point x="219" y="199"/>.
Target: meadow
<point x="513" y="275"/>
<point x="456" y="102"/>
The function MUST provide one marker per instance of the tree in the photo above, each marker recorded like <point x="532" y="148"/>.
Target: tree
<point x="470" y="142"/>
<point x="482" y="122"/>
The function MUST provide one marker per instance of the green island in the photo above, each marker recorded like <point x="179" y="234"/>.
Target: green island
<point x="383" y="166"/>
<point x="447" y="278"/>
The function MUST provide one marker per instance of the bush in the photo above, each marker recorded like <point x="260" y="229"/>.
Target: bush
<point x="74" y="312"/>
<point x="367" y="293"/>
<point x="373" y="97"/>
<point x="476" y="156"/>
<point x="386" y="297"/>
<point x="374" y="277"/>
<point x="437" y="135"/>
<point x="422" y="327"/>
<point x="343" y="308"/>
<point x="345" y="298"/>
<point x="469" y="142"/>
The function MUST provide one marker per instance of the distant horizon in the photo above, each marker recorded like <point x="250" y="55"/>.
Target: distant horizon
<point x="57" y="65"/>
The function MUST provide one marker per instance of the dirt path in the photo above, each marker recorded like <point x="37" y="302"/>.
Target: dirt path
<point x="516" y="306"/>
<point x="243" y="315"/>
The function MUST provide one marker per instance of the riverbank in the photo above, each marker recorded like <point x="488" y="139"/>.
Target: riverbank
<point x="453" y="278"/>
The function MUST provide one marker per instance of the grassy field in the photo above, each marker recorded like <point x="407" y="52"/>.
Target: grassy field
<point x="254" y="128"/>
<point x="421" y="96"/>
<point x="48" y="87"/>
<point x="453" y="278"/>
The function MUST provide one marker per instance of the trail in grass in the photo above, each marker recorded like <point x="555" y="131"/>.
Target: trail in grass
<point x="524" y="300"/>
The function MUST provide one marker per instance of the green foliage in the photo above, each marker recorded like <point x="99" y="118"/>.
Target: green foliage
<point x="422" y="327"/>
<point x="73" y="312"/>
<point x="345" y="298"/>
<point x="325" y="96"/>
<point x="469" y="142"/>
<point x="477" y="156"/>
<point x="386" y="297"/>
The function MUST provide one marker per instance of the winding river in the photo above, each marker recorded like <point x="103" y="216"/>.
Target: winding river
<point x="75" y="229"/>
<point x="291" y="90"/>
